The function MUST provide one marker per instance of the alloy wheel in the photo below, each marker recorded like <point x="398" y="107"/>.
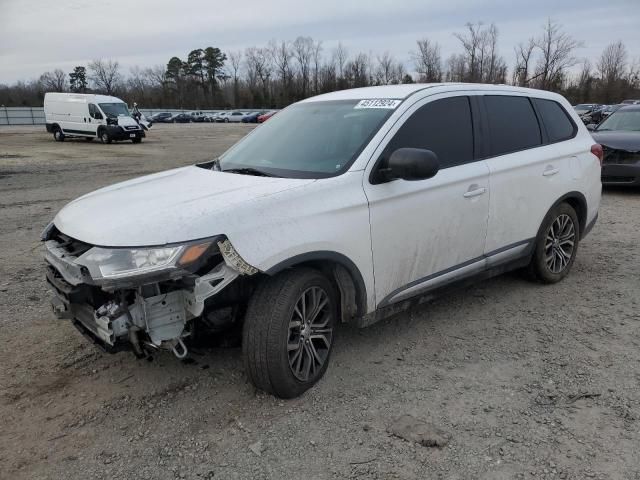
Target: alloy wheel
<point x="559" y="243"/>
<point x="310" y="333"/>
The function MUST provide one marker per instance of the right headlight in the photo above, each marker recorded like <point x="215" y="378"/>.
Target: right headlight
<point x="119" y="263"/>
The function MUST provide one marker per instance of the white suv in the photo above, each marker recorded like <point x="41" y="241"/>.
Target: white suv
<point x="345" y="207"/>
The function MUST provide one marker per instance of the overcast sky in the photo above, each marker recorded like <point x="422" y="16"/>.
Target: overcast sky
<point x="38" y="35"/>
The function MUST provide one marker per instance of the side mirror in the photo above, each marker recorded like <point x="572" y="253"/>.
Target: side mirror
<point x="410" y="164"/>
<point x="592" y="126"/>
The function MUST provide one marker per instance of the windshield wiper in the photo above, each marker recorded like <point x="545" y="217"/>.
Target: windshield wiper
<point x="249" y="171"/>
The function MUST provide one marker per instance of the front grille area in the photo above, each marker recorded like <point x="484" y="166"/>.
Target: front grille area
<point x="131" y="127"/>
<point x="619" y="157"/>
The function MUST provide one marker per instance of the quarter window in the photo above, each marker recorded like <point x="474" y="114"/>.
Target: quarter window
<point x="555" y="119"/>
<point x="513" y="124"/>
<point x="442" y="126"/>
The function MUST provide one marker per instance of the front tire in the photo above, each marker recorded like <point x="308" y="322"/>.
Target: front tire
<point x="288" y="332"/>
<point x="104" y="137"/>
<point x="556" y="245"/>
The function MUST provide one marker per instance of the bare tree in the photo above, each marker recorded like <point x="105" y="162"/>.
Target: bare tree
<point x="524" y="57"/>
<point x="258" y="61"/>
<point x="557" y="50"/>
<point x="385" y="71"/>
<point x="472" y="45"/>
<point x="317" y="61"/>
<point x="457" y="68"/>
<point x="235" y="59"/>
<point x="55" y="81"/>
<point x="281" y="56"/>
<point x="612" y="64"/>
<point x="105" y="75"/>
<point x="427" y="60"/>
<point x="303" y="48"/>
<point x="341" y="55"/>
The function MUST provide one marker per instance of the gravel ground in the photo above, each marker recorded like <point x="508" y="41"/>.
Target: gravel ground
<point x="524" y="380"/>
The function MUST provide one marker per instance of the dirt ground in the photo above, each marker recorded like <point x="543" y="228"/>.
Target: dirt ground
<point x="527" y="381"/>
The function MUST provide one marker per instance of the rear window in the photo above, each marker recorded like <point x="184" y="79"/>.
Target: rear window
<point x="513" y="124"/>
<point x="555" y="119"/>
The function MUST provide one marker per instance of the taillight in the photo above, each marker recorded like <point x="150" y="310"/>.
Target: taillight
<point x="598" y="152"/>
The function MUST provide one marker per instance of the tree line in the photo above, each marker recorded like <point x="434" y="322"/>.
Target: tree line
<point x="281" y="72"/>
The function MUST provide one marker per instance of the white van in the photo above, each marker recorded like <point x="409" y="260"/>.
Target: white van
<point x="90" y="116"/>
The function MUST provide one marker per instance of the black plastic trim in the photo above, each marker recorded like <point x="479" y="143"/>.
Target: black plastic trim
<point x="386" y="300"/>
<point x="336" y="257"/>
<point x="589" y="227"/>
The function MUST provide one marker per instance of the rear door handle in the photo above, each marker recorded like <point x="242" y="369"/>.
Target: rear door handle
<point x="549" y="171"/>
<point x="474" y="191"/>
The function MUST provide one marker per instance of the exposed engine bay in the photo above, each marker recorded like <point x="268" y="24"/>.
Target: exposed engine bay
<point x="157" y="310"/>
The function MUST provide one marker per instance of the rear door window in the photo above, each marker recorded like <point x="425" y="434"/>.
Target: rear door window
<point x="556" y="120"/>
<point x="442" y="126"/>
<point x="513" y="124"/>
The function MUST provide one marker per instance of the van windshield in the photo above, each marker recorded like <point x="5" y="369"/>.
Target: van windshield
<point x="307" y="140"/>
<point x="115" y="109"/>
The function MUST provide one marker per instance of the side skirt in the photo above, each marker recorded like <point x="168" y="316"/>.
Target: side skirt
<point x="463" y="281"/>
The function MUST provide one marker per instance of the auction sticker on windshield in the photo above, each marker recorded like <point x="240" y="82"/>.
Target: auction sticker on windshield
<point x="389" y="103"/>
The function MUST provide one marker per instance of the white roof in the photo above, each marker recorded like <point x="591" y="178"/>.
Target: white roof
<point x="80" y="97"/>
<point x="405" y="90"/>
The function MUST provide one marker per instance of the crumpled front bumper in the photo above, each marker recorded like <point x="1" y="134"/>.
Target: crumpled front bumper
<point x="150" y="315"/>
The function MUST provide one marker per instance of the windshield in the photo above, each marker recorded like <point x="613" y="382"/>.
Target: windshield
<point x="114" y="109"/>
<point x="622" y="120"/>
<point x="308" y="140"/>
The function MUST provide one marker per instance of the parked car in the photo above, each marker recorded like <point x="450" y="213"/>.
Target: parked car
<point x="210" y="116"/>
<point x="266" y="116"/>
<point x="595" y="115"/>
<point x="400" y="192"/>
<point x="90" y="116"/>
<point x="619" y="135"/>
<point x="197" y="116"/>
<point x="234" y="117"/>
<point x="630" y="102"/>
<point x="608" y="110"/>
<point x="181" y="118"/>
<point x="221" y="116"/>
<point x="162" y="117"/>
<point x="252" y="117"/>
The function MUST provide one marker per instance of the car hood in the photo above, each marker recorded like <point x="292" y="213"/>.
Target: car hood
<point x="618" y="140"/>
<point x="125" y="121"/>
<point x="168" y="207"/>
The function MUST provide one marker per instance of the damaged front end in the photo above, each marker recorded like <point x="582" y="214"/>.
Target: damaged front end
<point x="144" y="299"/>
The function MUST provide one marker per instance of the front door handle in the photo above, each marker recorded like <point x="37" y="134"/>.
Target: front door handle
<point x="549" y="171"/>
<point x="474" y="191"/>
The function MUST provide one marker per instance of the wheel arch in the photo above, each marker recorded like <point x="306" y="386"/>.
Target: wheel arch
<point x="340" y="269"/>
<point x="579" y="203"/>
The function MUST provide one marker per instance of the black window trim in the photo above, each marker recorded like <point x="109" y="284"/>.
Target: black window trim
<point x="474" y="111"/>
<point x="543" y="125"/>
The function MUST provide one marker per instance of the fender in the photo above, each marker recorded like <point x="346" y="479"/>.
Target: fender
<point x="335" y="257"/>
<point x="581" y="211"/>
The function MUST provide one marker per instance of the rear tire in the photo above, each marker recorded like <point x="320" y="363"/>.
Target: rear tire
<point x="58" y="136"/>
<point x="556" y="245"/>
<point x="288" y="332"/>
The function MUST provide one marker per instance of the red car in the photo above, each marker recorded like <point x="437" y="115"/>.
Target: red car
<point x="263" y="118"/>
